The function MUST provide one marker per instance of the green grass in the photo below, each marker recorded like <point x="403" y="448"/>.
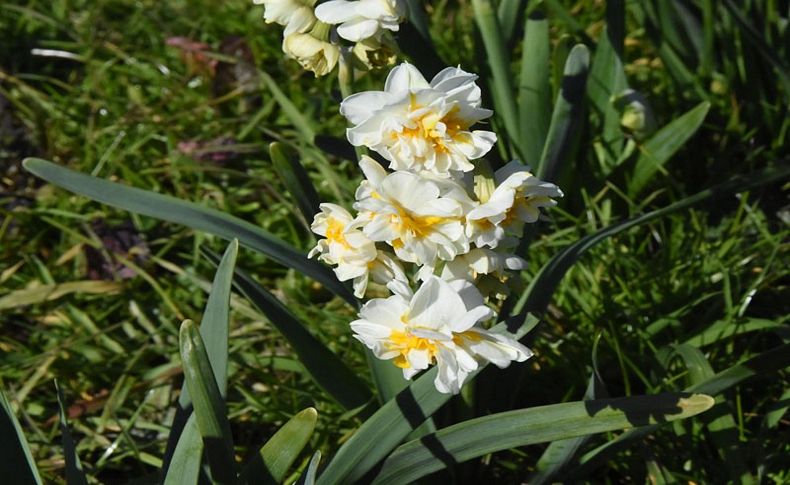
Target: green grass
<point x="124" y="105"/>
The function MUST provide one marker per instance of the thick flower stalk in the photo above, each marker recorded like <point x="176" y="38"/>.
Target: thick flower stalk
<point x="440" y="221"/>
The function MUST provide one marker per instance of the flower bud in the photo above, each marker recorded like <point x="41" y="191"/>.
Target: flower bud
<point x="636" y="115"/>
<point x="313" y="50"/>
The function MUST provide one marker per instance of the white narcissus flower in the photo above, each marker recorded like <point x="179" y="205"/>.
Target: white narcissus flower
<point x="295" y="15"/>
<point x="516" y="200"/>
<point x="345" y="245"/>
<point x="410" y="214"/>
<point x="313" y="50"/>
<point x="437" y="324"/>
<point x="418" y="125"/>
<point x="362" y="19"/>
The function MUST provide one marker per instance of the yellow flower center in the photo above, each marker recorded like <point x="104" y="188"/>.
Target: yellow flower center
<point x="334" y="231"/>
<point x="455" y="128"/>
<point x="405" y="342"/>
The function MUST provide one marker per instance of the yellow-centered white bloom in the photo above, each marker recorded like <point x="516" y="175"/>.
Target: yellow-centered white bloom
<point x="362" y="19"/>
<point x="411" y="214"/>
<point x="345" y="245"/>
<point x="420" y="126"/>
<point x="477" y="262"/>
<point x="516" y="200"/>
<point x="435" y="325"/>
<point x="313" y="50"/>
<point x="295" y="15"/>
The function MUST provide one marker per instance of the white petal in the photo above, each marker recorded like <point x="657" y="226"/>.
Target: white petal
<point x="336" y="11"/>
<point x="358" y="29"/>
<point x="361" y="106"/>
<point x="405" y="78"/>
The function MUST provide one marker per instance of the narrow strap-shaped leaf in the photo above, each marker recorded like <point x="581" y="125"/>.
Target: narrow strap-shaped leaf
<point x="309" y="475"/>
<point x="324" y="366"/>
<point x="723" y="430"/>
<point x="770" y="361"/>
<point x="74" y="472"/>
<point x="539" y="293"/>
<point x="388" y="426"/>
<point x="214" y="330"/>
<point x="15" y="457"/>
<point x="295" y="179"/>
<point x="567" y="114"/>
<point x="191" y="215"/>
<point x="294" y="114"/>
<point x="480" y="436"/>
<point x="414" y="38"/>
<point x="655" y="152"/>
<point x="534" y="91"/>
<point x="183" y="465"/>
<point x="607" y="79"/>
<point x="559" y="454"/>
<point x="508" y="15"/>
<point x="499" y="62"/>
<point x="208" y="404"/>
<point x="271" y="463"/>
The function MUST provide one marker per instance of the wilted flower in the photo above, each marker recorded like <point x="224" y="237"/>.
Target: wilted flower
<point x="362" y="19"/>
<point x="418" y="125"/>
<point x="437" y="324"/>
<point x="313" y="50"/>
<point x="295" y="15"/>
<point x="374" y="52"/>
<point x="516" y="200"/>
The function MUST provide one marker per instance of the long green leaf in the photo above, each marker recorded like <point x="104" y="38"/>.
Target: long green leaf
<point x="567" y="114"/>
<point x="296" y="179"/>
<point x="655" y="152"/>
<point x="499" y="62"/>
<point x="770" y="361"/>
<point x="607" y="80"/>
<point x="188" y="213"/>
<point x="17" y="461"/>
<point x="388" y="426"/>
<point x="271" y="463"/>
<point x="309" y="475"/>
<point x="534" y="91"/>
<point x="208" y="404"/>
<point x="185" y="445"/>
<point x="480" y="436"/>
<point x="74" y="472"/>
<point x="726" y="328"/>
<point x="722" y="427"/>
<point x="508" y="14"/>
<point x="539" y="293"/>
<point x="324" y="366"/>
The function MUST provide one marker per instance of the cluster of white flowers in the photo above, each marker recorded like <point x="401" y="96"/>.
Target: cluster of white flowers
<point x="318" y="37"/>
<point x="437" y="220"/>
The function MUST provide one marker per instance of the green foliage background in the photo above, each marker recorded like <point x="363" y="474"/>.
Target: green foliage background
<point x="124" y="90"/>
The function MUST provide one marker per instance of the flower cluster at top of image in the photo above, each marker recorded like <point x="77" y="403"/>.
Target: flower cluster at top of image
<point x="317" y="37"/>
<point x="439" y="219"/>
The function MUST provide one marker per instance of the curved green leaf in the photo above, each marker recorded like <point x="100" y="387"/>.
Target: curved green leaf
<point x="274" y="459"/>
<point x="539" y="293"/>
<point x="328" y="371"/>
<point x="17" y="461"/>
<point x="185" y="446"/>
<point x="309" y="475"/>
<point x="189" y="214"/>
<point x="295" y="179"/>
<point x="655" y="152"/>
<point x="534" y="90"/>
<point x="502" y="431"/>
<point x="208" y="404"/>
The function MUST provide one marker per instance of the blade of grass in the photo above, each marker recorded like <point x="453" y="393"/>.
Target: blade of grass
<point x="324" y="366"/>
<point x="75" y="475"/>
<point x="190" y="214"/>
<point x="271" y="463"/>
<point x="208" y="404"/>
<point x="17" y="461"/>
<point x="480" y="436"/>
